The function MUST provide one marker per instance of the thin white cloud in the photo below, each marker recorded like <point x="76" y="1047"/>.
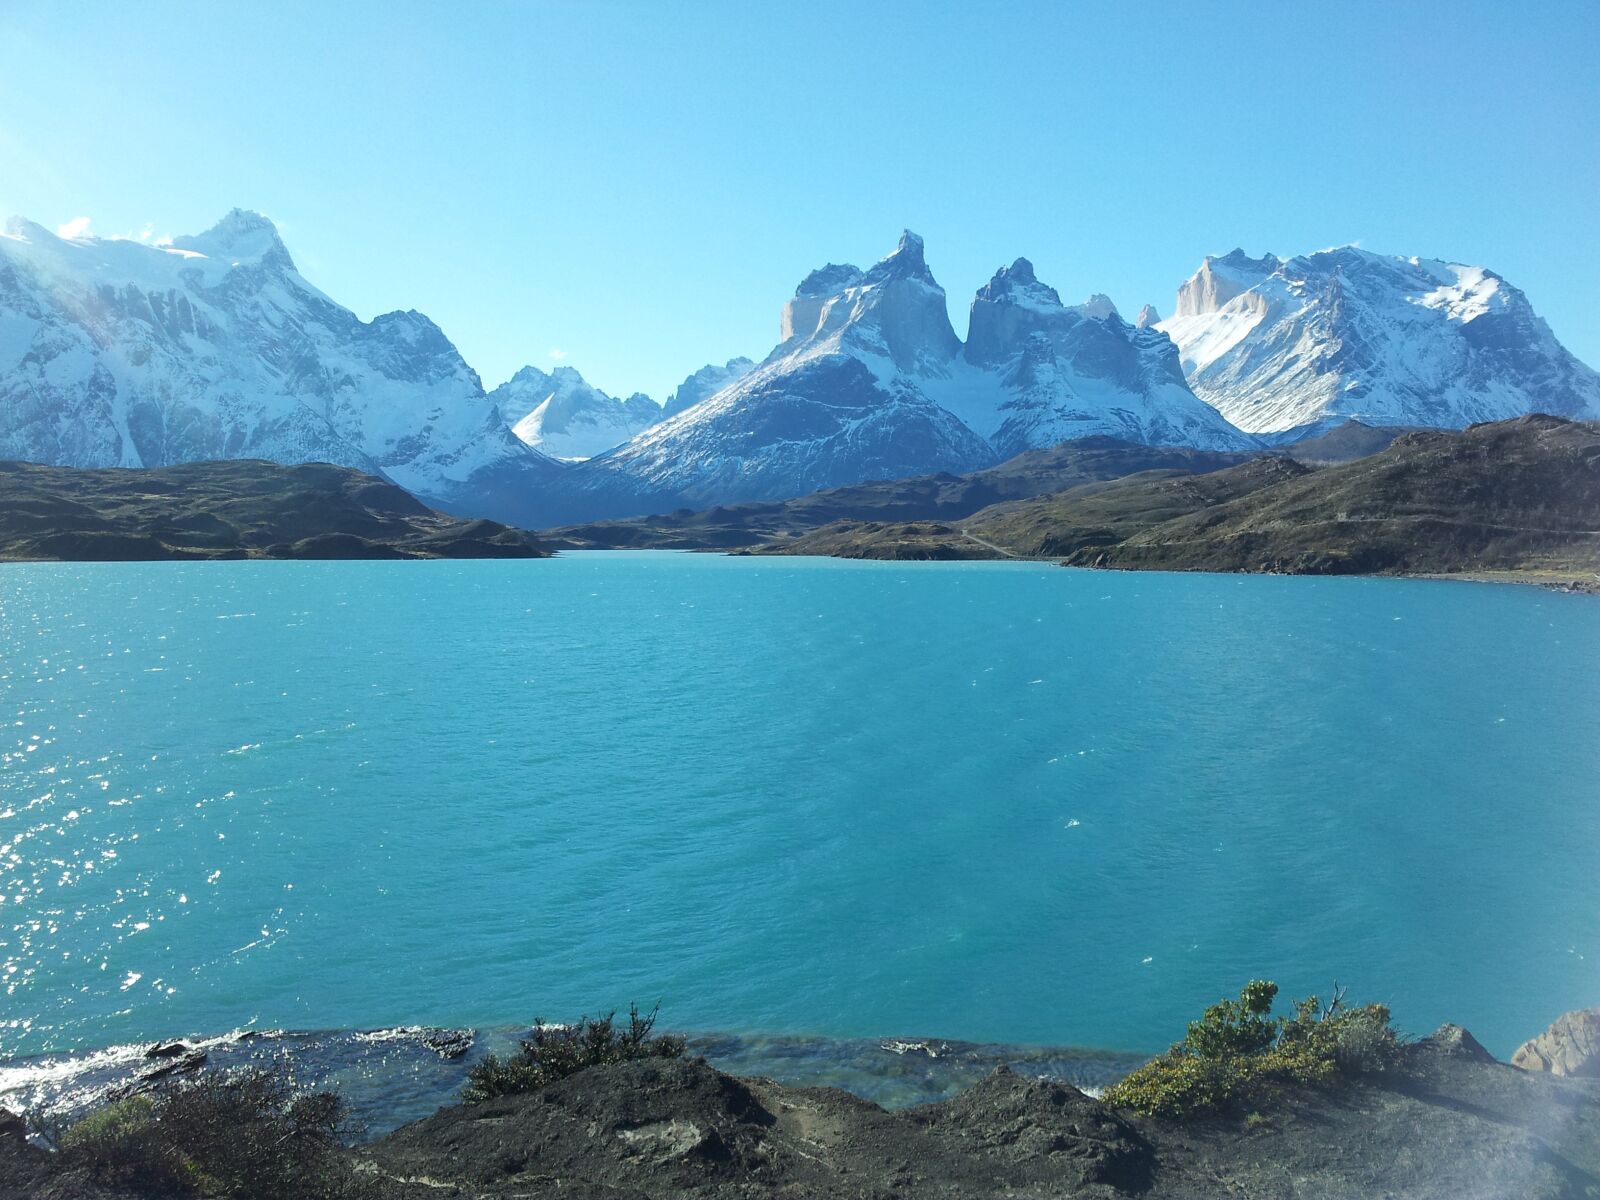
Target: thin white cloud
<point x="76" y="228"/>
<point x="558" y="354"/>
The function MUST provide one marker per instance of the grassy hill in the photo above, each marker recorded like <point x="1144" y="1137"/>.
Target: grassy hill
<point x="236" y="509"/>
<point x="922" y="498"/>
<point x="1519" y="497"/>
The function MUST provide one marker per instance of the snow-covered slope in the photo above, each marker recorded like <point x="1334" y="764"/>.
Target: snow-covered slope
<point x="566" y="417"/>
<point x="1035" y="372"/>
<point x="870" y="381"/>
<point x="1289" y="347"/>
<point x="707" y="381"/>
<point x="840" y="400"/>
<point x="118" y="353"/>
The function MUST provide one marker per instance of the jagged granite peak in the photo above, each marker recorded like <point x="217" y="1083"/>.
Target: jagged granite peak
<point x="870" y="381"/>
<point x="906" y="261"/>
<point x="1287" y="348"/>
<point x="1038" y="372"/>
<point x="843" y="397"/>
<point x="1148" y="316"/>
<point x="1221" y="278"/>
<point x="563" y="415"/>
<point x="829" y="280"/>
<point x="895" y="310"/>
<point x="707" y="381"/>
<point x="1018" y="284"/>
<point x="114" y="352"/>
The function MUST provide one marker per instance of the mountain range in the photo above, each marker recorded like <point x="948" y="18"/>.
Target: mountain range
<point x="116" y="352"/>
<point x="1287" y="347"/>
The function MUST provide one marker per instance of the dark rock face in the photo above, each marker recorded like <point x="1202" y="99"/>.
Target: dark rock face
<point x="660" y="1123"/>
<point x="1439" y="1125"/>
<point x="1571" y="1046"/>
<point x="1015" y="1121"/>
<point x="448" y="1043"/>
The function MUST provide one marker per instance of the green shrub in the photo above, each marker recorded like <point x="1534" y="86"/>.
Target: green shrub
<point x="1236" y="1052"/>
<point x="116" y="1122"/>
<point x="1240" y="1026"/>
<point x="245" y="1136"/>
<point x="556" y="1051"/>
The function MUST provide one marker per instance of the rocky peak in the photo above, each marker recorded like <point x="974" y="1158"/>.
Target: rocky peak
<point x="241" y="237"/>
<point x="707" y="381"/>
<point x="1220" y="279"/>
<point x="1018" y="284"/>
<point x="829" y="280"/>
<point x="1009" y="311"/>
<point x="1147" y="318"/>
<point x="1099" y="307"/>
<point x="895" y="310"/>
<point x="906" y="261"/>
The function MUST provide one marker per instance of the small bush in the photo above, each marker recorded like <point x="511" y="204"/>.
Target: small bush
<point x="1236" y="1052"/>
<point x="246" y="1136"/>
<point x="556" y="1051"/>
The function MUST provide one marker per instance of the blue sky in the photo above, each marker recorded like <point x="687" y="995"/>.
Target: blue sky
<point x="638" y="187"/>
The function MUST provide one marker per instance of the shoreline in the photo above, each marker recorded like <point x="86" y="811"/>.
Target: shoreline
<point x="396" y="1073"/>
<point x="1441" y="1118"/>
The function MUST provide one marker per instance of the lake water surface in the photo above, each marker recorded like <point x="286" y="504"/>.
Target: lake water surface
<point x="999" y="802"/>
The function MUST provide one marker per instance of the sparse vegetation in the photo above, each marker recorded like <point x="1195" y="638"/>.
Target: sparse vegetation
<point x="554" y="1052"/>
<point x="246" y="1136"/>
<point x="1237" y="1051"/>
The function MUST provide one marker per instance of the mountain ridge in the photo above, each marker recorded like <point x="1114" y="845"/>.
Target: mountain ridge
<point x="119" y="352"/>
<point x="1287" y="347"/>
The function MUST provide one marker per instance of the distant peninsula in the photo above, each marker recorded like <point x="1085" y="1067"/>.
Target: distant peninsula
<point x="234" y="509"/>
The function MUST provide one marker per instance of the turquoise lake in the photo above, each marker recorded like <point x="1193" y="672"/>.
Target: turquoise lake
<point x="998" y="802"/>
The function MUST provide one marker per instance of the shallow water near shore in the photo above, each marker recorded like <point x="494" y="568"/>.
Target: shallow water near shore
<point x="1000" y="802"/>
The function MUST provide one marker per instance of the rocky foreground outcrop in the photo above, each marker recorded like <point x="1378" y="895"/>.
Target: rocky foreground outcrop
<point x="1571" y="1046"/>
<point x="1447" y="1122"/>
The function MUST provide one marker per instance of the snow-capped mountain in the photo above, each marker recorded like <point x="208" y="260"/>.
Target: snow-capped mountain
<point x="118" y="353"/>
<point x="707" y="381"/>
<point x="1038" y="372"/>
<point x="870" y="381"/>
<point x="563" y="415"/>
<point x="841" y="399"/>
<point x="1286" y="348"/>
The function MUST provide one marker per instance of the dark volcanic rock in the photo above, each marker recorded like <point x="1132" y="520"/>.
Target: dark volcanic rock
<point x="448" y="1043"/>
<point x="677" y="1123"/>
<point x="1442" y="1124"/>
<point x="1019" y="1122"/>
<point x="168" y="1050"/>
